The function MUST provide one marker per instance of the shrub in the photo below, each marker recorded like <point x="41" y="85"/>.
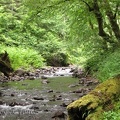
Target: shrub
<point x="111" y="115"/>
<point x="25" y="58"/>
<point x="57" y="59"/>
<point x="109" y="67"/>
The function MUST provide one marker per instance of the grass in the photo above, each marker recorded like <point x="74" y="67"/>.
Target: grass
<point x="111" y="115"/>
<point x="109" y="67"/>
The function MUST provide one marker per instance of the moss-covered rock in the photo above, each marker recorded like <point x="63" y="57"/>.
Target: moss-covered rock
<point x="91" y="106"/>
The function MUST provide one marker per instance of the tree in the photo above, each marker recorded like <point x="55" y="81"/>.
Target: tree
<point x="101" y="16"/>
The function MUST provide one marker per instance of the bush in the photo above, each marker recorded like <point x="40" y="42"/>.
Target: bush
<point x="111" y="115"/>
<point x="21" y="57"/>
<point x="57" y="59"/>
<point x="109" y="67"/>
<point x="105" y="65"/>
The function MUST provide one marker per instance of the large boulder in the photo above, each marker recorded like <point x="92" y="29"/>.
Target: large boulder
<point x="91" y="106"/>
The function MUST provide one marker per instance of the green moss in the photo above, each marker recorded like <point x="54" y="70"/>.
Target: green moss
<point x="103" y="97"/>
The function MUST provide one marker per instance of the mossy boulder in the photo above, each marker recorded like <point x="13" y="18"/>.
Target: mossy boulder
<point x="91" y="106"/>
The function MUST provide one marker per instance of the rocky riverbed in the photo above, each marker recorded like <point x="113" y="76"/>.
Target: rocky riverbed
<point x="42" y="94"/>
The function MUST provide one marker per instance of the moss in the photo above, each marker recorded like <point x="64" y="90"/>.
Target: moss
<point x="102" y="98"/>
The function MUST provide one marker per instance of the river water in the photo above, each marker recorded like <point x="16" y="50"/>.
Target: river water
<point x="38" y="99"/>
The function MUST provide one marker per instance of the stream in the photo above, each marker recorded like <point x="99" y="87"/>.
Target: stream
<point x="44" y="98"/>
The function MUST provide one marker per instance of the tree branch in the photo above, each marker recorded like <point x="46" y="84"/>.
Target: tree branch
<point x="89" y="7"/>
<point x="99" y="18"/>
<point x="113" y="21"/>
<point x="49" y="6"/>
<point x="116" y="10"/>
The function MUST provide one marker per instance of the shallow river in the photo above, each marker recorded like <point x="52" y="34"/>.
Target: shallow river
<point x="38" y="99"/>
<point x="35" y="99"/>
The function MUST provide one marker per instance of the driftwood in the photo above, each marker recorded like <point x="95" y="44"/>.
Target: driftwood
<point x="5" y="65"/>
<point x="92" y="105"/>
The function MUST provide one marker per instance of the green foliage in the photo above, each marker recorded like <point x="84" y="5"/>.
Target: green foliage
<point x="21" y="57"/>
<point x="56" y="26"/>
<point x="109" y="66"/>
<point x="104" y="65"/>
<point x="111" y="115"/>
<point x="57" y="59"/>
<point x="54" y="52"/>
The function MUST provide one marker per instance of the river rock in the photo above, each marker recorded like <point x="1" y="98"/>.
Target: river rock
<point x="38" y="98"/>
<point x="92" y="105"/>
<point x="59" y="115"/>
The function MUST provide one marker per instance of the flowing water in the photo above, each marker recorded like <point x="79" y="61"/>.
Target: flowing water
<point x="37" y="99"/>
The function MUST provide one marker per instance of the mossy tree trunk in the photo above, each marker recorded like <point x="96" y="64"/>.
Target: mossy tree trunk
<point x="91" y="106"/>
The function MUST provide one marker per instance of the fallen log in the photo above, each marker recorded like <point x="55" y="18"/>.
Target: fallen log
<point x="92" y="105"/>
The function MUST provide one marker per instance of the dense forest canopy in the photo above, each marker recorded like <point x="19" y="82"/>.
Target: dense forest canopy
<point x="98" y="15"/>
<point x="65" y="29"/>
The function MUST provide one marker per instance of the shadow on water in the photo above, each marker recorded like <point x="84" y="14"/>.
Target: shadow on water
<point x="37" y="99"/>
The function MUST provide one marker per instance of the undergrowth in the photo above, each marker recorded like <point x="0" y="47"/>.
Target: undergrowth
<point x="109" y="66"/>
<point x="112" y="114"/>
<point x="105" y="65"/>
<point x="21" y="57"/>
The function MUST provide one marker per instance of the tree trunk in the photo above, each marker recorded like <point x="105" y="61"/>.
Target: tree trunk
<point x="99" y="18"/>
<point x="112" y="19"/>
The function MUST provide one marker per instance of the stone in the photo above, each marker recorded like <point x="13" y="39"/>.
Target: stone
<point x="92" y="105"/>
<point x="59" y="114"/>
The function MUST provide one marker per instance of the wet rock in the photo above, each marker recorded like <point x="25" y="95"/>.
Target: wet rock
<point x="1" y="102"/>
<point x="1" y="93"/>
<point x="59" y="115"/>
<point x="31" y="74"/>
<point x="37" y="98"/>
<point x="61" y="75"/>
<point x="64" y="105"/>
<point x="45" y="81"/>
<point x="20" y="72"/>
<point x="82" y="90"/>
<point x="12" y="104"/>
<point x="50" y="91"/>
<point x="32" y="78"/>
<point x="43" y="77"/>
<point x="71" y="86"/>
<point x="16" y="78"/>
<point x="35" y="108"/>
<point x="53" y="98"/>
<point x="58" y="98"/>
<point x="78" y="72"/>
<point x="82" y="80"/>
<point x="88" y="81"/>
<point x="46" y="110"/>
<point x="12" y="95"/>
